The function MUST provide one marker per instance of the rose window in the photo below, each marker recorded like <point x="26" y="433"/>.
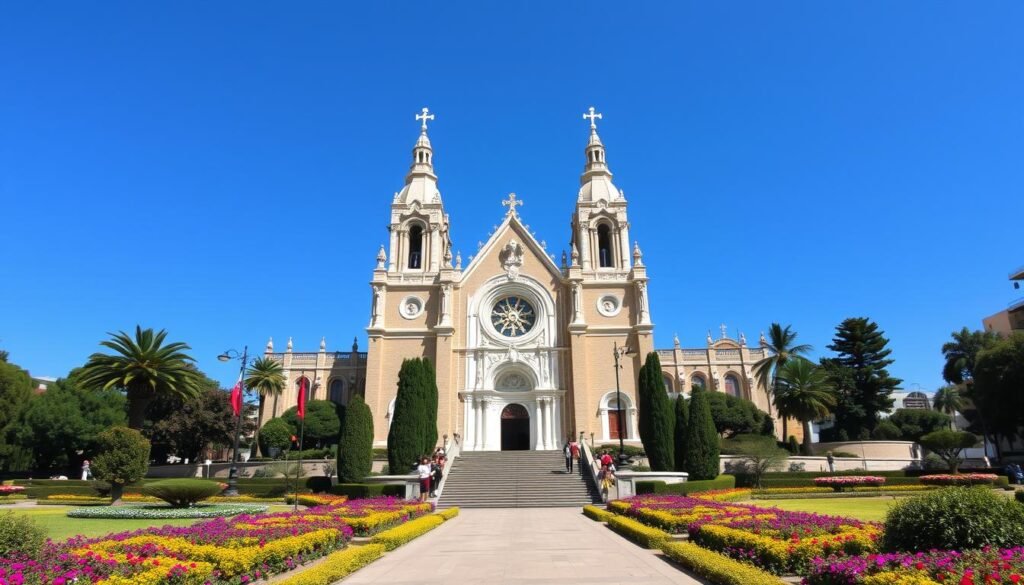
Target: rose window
<point x="513" y="316"/>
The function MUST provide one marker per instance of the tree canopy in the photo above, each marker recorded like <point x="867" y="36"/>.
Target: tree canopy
<point x="15" y="392"/>
<point x="733" y="416"/>
<point x="702" y="455"/>
<point x="998" y="380"/>
<point x="948" y="445"/>
<point x="323" y="423"/>
<point x="858" y="373"/>
<point x="782" y="347"/>
<point x="355" y="447"/>
<point x="122" y="458"/>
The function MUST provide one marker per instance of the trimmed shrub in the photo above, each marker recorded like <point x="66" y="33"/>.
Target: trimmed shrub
<point x="792" y="445"/>
<point x="722" y="482"/>
<point x="449" y="513"/>
<point x="948" y="445"/>
<point x="358" y="491"/>
<point x="355" y="446"/>
<point x="954" y="519"/>
<point x="403" y="533"/>
<point x="182" y="493"/>
<point x="275" y="434"/>
<point x="310" y="454"/>
<point x="631" y="450"/>
<point x="405" y="438"/>
<point x="679" y="433"/>
<point x="122" y="458"/>
<point x="701" y="439"/>
<point x="717" y="567"/>
<point x="20" y="534"/>
<point x="337" y="565"/>
<point x="656" y="418"/>
<point x="322" y="423"/>
<point x="319" y="484"/>
<point x="638" y="532"/>
<point x="933" y="462"/>
<point x="600" y="515"/>
<point x="886" y="431"/>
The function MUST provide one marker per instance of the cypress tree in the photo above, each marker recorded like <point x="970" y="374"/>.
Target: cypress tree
<point x="657" y="419"/>
<point x="355" y="446"/>
<point x="701" y="438"/>
<point x="429" y="407"/>
<point x="405" y="439"/>
<point x="682" y="422"/>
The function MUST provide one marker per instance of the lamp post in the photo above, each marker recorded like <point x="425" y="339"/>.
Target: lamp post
<point x="233" y="472"/>
<point x="619" y="352"/>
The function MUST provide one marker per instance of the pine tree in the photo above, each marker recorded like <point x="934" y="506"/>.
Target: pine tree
<point x="657" y="418"/>
<point x="405" y="438"/>
<point x="862" y="376"/>
<point x="682" y="423"/>
<point x="430" y="407"/>
<point x="355" y="446"/>
<point x="701" y="438"/>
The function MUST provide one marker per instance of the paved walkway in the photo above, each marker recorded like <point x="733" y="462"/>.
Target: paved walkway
<point x="521" y="547"/>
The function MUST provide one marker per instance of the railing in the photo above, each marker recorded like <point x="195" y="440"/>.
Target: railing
<point x="695" y="354"/>
<point x="303" y="360"/>
<point x="587" y="458"/>
<point x="666" y="354"/>
<point x="727" y="354"/>
<point x="757" y="353"/>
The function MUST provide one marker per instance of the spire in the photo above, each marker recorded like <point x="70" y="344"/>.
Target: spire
<point x="270" y="345"/>
<point x="323" y="344"/>
<point x="596" y="180"/>
<point x="420" y="181"/>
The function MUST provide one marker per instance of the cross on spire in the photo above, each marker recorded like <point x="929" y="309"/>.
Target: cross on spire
<point x="424" y="116"/>
<point x="511" y="203"/>
<point x="592" y="116"/>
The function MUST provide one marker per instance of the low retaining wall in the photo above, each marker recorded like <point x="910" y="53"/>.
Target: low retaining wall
<point x="872" y="449"/>
<point x="839" y="463"/>
<point x="625" y="480"/>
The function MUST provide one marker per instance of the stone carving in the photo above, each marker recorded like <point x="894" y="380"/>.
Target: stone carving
<point x="511" y="257"/>
<point x="381" y="258"/>
<point x="645" y="313"/>
<point x="577" y="302"/>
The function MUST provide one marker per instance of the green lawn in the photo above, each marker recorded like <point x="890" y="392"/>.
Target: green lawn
<point x="861" y="508"/>
<point x="59" y="527"/>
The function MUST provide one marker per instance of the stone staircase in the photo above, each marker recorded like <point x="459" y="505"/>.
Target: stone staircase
<point x="514" y="479"/>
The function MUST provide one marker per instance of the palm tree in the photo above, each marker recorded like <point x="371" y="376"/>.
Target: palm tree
<point x="266" y="377"/>
<point x="782" y="347"/>
<point x="948" y="400"/>
<point x="961" y="353"/>
<point x="144" y="367"/>
<point x="805" y="394"/>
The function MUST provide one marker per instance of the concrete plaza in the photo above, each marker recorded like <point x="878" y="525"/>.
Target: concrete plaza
<point x="520" y="547"/>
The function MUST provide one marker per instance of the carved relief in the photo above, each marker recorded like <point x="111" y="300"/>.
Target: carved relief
<point x="511" y="257"/>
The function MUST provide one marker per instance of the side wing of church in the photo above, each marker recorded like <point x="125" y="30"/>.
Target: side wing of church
<point x="524" y="345"/>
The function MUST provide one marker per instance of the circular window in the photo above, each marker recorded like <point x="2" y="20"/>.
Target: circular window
<point x="411" y="307"/>
<point x="513" y="316"/>
<point x="609" y="305"/>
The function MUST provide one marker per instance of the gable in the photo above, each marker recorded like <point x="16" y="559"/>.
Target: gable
<point x="511" y="247"/>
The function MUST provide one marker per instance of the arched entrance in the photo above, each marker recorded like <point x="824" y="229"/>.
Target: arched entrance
<point x="515" y="428"/>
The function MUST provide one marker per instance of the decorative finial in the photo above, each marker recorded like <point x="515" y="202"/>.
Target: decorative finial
<point x="724" y="330"/>
<point x="270" y="345"/>
<point x="382" y="257"/>
<point x="511" y="202"/>
<point x="592" y="116"/>
<point x="710" y="340"/>
<point x="638" y="256"/>
<point x="763" y="341"/>
<point x="458" y="260"/>
<point x="543" y="245"/>
<point x="447" y="257"/>
<point x="675" y="340"/>
<point x="743" y="339"/>
<point x="575" y="255"/>
<point x="288" y="347"/>
<point x="323" y="344"/>
<point x="424" y="116"/>
<point x="479" y="244"/>
<point x="565" y="262"/>
<point x="355" y="345"/>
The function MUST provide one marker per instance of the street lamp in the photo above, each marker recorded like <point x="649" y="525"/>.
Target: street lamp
<point x="233" y="472"/>
<point x="619" y="352"/>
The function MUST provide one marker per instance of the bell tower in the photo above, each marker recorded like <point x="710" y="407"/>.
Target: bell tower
<point x="600" y="229"/>
<point x="419" y="243"/>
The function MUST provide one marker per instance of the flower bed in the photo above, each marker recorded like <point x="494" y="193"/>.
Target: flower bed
<point x="960" y="479"/>
<point x="778" y="541"/>
<point x="924" y="568"/>
<point x="165" y="512"/>
<point x="844" y="482"/>
<point x="316" y="499"/>
<point x="12" y="498"/>
<point x="399" y="535"/>
<point x="337" y="566"/>
<point x="6" y="490"/>
<point x="223" y="551"/>
<point x="716" y="567"/>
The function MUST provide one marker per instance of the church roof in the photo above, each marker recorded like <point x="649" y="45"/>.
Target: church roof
<point x="514" y="222"/>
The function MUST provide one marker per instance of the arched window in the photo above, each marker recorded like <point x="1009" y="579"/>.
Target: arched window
<point x="416" y="246"/>
<point x="916" y="400"/>
<point x="337" y="391"/>
<point x="698" y="381"/>
<point x="732" y="385"/>
<point x="668" y="382"/>
<point x="604" y="245"/>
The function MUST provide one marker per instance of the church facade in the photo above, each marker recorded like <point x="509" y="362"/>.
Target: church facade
<point x="525" y="345"/>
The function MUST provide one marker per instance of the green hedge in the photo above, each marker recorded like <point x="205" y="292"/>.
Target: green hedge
<point x="722" y="482"/>
<point x="270" y="487"/>
<point x="1001" y="481"/>
<point x="357" y="491"/>
<point x="44" y="491"/>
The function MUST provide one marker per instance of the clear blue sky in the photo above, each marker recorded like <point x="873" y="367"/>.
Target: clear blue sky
<point x="224" y="170"/>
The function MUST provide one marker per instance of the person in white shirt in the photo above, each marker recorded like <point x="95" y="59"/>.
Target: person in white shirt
<point x="423" y="471"/>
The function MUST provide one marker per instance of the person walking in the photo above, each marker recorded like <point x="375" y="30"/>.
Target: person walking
<point x="86" y="471"/>
<point x="607" y="480"/>
<point x="606" y="458"/>
<point x="423" y="471"/>
<point x="436" y="474"/>
<point x="567" y="452"/>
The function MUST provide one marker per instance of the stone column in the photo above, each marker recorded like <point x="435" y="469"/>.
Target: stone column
<point x="483" y="424"/>
<point x="547" y="423"/>
<point x="478" y="442"/>
<point x="586" y="243"/>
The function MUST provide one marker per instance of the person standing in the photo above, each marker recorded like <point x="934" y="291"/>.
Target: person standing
<point x="86" y="472"/>
<point x="607" y="480"/>
<point x="574" y="450"/>
<point x="567" y="452"/>
<point x="606" y="458"/>
<point x="423" y="471"/>
<point x="436" y="474"/>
